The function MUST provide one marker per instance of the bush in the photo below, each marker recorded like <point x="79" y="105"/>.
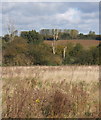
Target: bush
<point x="20" y="52"/>
<point x="76" y="50"/>
<point x="42" y="55"/>
<point x="14" y="53"/>
<point x="84" y="58"/>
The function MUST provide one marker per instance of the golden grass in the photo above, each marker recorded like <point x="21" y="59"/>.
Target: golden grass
<point x="51" y="92"/>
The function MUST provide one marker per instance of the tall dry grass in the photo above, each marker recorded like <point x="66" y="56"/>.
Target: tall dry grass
<point x="51" y="92"/>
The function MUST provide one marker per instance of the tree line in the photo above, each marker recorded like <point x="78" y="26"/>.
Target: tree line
<point x="65" y="34"/>
<point x="48" y="34"/>
<point x="29" y="49"/>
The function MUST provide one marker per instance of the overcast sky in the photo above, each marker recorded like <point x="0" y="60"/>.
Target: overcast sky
<point x="83" y="16"/>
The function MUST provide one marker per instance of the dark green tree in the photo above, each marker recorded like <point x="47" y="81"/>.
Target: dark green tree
<point x="6" y="38"/>
<point x="32" y="37"/>
<point x="76" y="50"/>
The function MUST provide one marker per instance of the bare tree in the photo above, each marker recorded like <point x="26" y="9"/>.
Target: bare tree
<point x="11" y="30"/>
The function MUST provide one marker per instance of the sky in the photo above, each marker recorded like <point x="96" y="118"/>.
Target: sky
<point x="83" y="16"/>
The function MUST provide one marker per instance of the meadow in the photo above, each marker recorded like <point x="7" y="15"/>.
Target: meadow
<point x="50" y="92"/>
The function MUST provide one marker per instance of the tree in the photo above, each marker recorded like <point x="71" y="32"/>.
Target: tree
<point x="15" y="52"/>
<point x="42" y="55"/>
<point x="91" y="35"/>
<point x="6" y="38"/>
<point x="84" y="58"/>
<point x="64" y="52"/>
<point x="95" y="55"/>
<point x="32" y="37"/>
<point x="76" y="50"/>
<point x="55" y="36"/>
<point x="64" y="36"/>
<point x="12" y="32"/>
<point x="74" y="33"/>
<point x="81" y="36"/>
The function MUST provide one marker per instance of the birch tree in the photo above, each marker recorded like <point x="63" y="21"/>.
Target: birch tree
<point x="64" y="52"/>
<point x="55" y="37"/>
<point x="11" y="30"/>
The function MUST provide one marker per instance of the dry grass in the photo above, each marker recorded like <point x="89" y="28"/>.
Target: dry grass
<point x="84" y="43"/>
<point x="51" y="92"/>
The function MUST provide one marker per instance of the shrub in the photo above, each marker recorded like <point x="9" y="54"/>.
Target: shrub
<point x="15" y="52"/>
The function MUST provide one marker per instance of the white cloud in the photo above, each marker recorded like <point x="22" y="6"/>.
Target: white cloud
<point x="28" y="16"/>
<point x="71" y="15"/>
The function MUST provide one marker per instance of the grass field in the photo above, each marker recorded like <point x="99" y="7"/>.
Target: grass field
<point x="50" y="92"/>
<point x="84" y="43"/>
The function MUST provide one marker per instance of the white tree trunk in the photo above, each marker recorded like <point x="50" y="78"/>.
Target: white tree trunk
<point x="55" y="36"/>
<point x="64" y="52"/>
<point x="53" y="48"/>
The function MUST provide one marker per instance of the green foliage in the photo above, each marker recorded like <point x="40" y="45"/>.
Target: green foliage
<point x="32" y="37"/>
<point x="14" y="53"/>
<point x="84" y="58"/>
<point x="64" y="36"/>
<point x="6" y="38"/>
<point x="23" y="51"/>
<point x="88" y="57"/>
<point x="68" y="60"/>
<point x="74" y="34"/>
<point x="42" y="55"/>
<point x="76" y="50"/>
<point x="95" y="55"/>
<point x="47" y="37"/>
<point x="80" y="56"/>
<point x="59" y="49"/>
<point x="91" y="35"/>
